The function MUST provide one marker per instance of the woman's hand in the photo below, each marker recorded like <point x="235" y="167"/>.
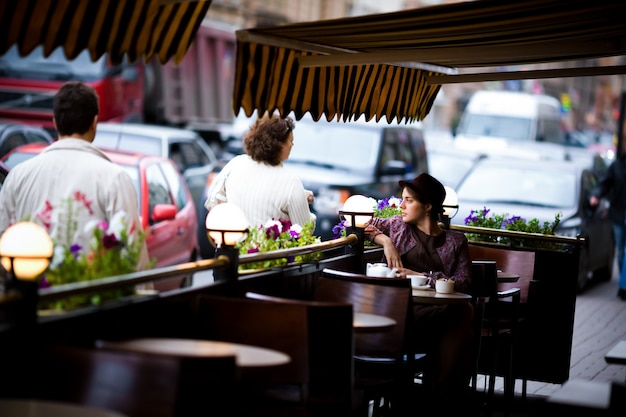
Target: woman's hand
<point x="392" y="255"/>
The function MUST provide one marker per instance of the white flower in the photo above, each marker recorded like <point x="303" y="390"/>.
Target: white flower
<point x="118" y="224"/>
<point x="57" y="257"/>
<point x="296" y="228"/>
<point x="395" y="201"/>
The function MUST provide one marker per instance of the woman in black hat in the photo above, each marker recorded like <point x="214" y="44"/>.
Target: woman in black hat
<point x="415" y="243"/>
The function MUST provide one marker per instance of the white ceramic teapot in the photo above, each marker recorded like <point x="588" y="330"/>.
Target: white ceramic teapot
<point x="380" y="270"/>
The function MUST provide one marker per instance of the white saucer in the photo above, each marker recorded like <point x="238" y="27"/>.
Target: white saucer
<point x="421" y="287"/>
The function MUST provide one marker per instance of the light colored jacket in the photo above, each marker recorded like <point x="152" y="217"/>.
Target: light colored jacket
<point x="61" y="170"/>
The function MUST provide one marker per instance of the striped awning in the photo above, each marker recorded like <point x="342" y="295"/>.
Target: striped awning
<point x="138" y="28"/>
<point x="393" y="64"/>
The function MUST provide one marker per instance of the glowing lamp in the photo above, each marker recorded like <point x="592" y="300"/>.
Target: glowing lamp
<point x="25" y="250"/>
<point x="226" y="224"/>
<point x="358" y="210"/>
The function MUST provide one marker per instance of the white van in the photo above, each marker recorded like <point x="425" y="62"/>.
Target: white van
<point x="495" y="120"/>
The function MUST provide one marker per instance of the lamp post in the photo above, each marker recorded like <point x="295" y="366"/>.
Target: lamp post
<point x="450" y="207"/>
<point x="357" y="211"/>
<point x="25" y="253"/>
<point x="226" y="225"/>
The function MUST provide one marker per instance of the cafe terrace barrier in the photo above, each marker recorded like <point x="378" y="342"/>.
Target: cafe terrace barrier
<point x="547" y="339"/>
<point x="543" y="349"/>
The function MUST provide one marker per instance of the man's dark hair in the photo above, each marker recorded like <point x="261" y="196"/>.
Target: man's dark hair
<point x="75" y="106"/>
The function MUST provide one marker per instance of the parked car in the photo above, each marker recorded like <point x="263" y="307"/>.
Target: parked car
<point x="193" y="157"/>
<point x="13" y="135"/>
<point x="541" y="189"/>
<point x="336" y="160"/>
<point x="166" y="207"/>
<point x="450" y="165"/>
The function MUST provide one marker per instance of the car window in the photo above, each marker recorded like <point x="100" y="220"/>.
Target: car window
<point x="11" y="142"/>
<point x="34" y="137"/>
<point x="541" y="187"/>
<point x="513" y="128"/>
<point x="129" y="142"/>
<point x="176" y="184"/>
<point x="188" y="155"/>
<point x="158" y="191"/>
<point x="335" y="144"/>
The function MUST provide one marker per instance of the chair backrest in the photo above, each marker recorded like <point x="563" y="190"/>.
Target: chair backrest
<point x="383" y="296"/>
<point x="520" y="262"/>
<point x="316" y="336"/>
<point x="133" y="384"/>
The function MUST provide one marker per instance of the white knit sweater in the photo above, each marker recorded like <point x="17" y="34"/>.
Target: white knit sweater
<point x="266" y="192"/>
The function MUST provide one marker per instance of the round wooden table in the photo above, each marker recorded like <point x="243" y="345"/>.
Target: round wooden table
<point x="38" y="408"/>
<point x="246" y="355"/>
<point x="430" y="296"/>
<point x="507" y="277"/>
<point x="365" y="322"/>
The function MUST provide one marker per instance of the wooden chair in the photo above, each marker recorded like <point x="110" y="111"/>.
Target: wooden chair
<point x="316" y="336"/>
<point x="385" y="362"/>
<point x="496" y="321"/>
<point x="133" y="384"/>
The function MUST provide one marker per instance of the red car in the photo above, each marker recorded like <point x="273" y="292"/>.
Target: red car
<point x="167" y="210"/>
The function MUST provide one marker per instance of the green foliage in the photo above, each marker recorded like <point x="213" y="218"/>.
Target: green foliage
<point x="278" y="234"/>
<point x="483" y="218"/>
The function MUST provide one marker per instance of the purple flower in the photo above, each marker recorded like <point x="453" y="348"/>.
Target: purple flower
<point x="338" y="228"/>
<point x="253" y="250"/>
<point x="75" y="250"/>
<point x="110" y="241"/>
<point x="273" y="231"/>
<point x="43" y="283"/>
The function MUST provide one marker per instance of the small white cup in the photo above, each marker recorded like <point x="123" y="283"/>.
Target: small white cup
<point x="418" y="280"/>
<point x="444" y="286"/>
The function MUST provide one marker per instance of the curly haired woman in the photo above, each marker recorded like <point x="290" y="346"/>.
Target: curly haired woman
<point x="257" y="181"/>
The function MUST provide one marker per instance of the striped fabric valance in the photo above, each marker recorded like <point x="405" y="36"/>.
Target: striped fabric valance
<point x="269" y="78"/>
<point x="138" y="28"/>
<point x="392" y="64"/>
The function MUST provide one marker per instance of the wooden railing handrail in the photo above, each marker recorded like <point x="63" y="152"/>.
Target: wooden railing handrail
<point x="578" y="240"/>
<point x="155" y="274"/>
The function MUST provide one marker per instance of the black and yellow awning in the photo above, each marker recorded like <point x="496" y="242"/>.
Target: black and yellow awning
<point x="138" y="28"/>
<point x="393" y="64"/>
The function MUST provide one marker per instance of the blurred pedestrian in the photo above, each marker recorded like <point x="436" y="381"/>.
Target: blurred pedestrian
<point x="258" y="182"/>
<point x="71" y="168"/>
<point x="612" y="186"/>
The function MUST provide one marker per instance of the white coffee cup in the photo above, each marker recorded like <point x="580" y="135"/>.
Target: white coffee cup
<point x="418" y="280"/>
<point x="445" y="286"/>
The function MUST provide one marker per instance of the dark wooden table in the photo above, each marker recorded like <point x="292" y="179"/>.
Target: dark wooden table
<point x="430" y="296"/>
<point x="37" y="408"/>
<point x="246" y="356"/>
<point x="507" y="276"/>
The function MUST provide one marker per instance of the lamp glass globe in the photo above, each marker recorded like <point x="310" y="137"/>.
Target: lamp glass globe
<point x="226" y="217"/>
<point x="30" y="247"/>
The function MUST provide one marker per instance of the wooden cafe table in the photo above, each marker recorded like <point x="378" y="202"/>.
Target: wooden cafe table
<point x="430" y="296"/>
<point x="39" y="408"/>
<point x="366" y="323"/>
<point x="245" y="355"/>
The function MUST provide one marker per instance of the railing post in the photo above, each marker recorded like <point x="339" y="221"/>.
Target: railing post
<point x="230" y="272"/>
<point x="357" y="248"/>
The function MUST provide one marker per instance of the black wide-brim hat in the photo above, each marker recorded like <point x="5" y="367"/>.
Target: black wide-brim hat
<point x="428" y="188"/>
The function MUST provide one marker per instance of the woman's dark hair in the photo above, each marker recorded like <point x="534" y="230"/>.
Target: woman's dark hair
<point x="75" y="106"/>
<point x="265" y="139"/>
